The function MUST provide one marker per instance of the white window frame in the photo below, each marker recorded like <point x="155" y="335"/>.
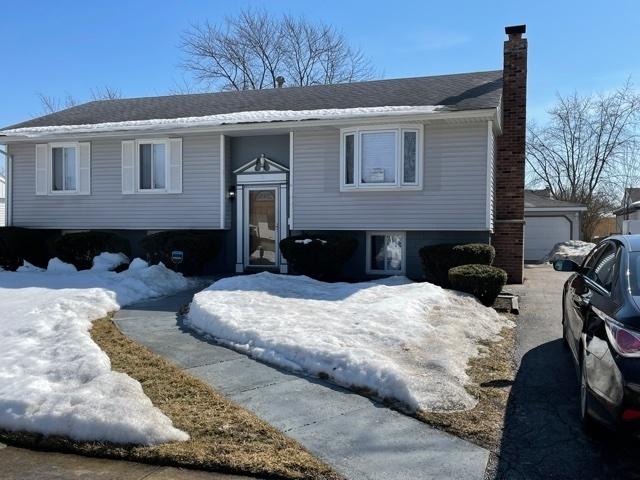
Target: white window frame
<point x="399" y="183"/>
<point x="51" y="146"/>
<point x="167" y="153"/>
<point x="371" y="271"/>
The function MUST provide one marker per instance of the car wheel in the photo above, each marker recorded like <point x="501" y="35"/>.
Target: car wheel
<point x="585" y="416"/>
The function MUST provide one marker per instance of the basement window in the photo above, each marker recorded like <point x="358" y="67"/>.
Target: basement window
<point x="385" y="253"/>
<point x="381" y="158"/>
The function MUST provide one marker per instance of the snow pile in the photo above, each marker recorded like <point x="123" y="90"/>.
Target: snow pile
<point x="258" y="116"/>
<point x="137" y="264"/>
<point x="307" y="241"/>
<point x="56" y="265"/>
<point x="28" y="267"/>
<point x="108" y="261"/>
<point x="574" y="250"/>
<point x="53" y="378"/>
<point x="404" y="341"/>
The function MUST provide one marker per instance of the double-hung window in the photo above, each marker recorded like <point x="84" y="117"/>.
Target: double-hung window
<point x="385" y="253"/>
<point x="152" y="165"/>
<point x="64" y="168"/>
<point x="381" y="158"/>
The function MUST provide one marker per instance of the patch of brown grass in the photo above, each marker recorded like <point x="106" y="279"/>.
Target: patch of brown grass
<point x="492" y="375"/>
<point x="224" y="436"/>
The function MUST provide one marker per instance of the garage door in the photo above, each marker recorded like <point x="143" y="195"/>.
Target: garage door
<point x="542" y="233"/>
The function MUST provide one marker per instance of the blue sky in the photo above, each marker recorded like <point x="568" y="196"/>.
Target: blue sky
<point x="65" y="47"/>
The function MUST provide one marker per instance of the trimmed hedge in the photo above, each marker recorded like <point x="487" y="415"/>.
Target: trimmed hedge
<point x="322" y="258"/>
<point x="437" y="260"/>
<point x="79" y="248"/>
<point x="483" y="281"/>
<point x="199" y="247"/>
<point x="19" y="244"/>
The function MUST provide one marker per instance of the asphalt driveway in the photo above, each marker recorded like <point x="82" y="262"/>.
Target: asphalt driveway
<point x="543" y="437"/>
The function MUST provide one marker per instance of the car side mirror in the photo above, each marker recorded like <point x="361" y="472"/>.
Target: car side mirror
<point x="565" y="266"/>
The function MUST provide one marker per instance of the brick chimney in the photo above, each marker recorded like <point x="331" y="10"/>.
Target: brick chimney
<point x="508" y="237"/>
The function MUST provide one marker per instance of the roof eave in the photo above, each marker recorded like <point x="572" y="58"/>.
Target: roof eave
<point x="451" y="115"/>
<point x="559" y="209"/>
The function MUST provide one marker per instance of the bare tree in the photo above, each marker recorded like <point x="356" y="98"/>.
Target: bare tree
<point x="252" y="49"/>
<point x="51" y="104"/>
<point x="580" y="154"/>
<point x="105" y="93"/>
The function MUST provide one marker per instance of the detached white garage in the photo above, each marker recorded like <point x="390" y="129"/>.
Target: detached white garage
<point x="547" y="222"/>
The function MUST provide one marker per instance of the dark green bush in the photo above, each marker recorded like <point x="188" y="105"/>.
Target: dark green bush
<point x="437" y="260"/>
<point x="79" y="248"/>
<point x="483" y="281"/>
<point x="19" y="244"/>
<point x="323" y="258"/>
<point x="199" y="247"/>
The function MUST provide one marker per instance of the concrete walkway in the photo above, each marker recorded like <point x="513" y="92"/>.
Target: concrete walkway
<point x="360" y="438"/>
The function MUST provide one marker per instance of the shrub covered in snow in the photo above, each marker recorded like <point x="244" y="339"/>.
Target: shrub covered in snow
<point x="437" y="260"/>
<point x="574" y="250"/>
<point x="198" y="246"/>
<point x="318" y="256"/>
<point x="20" y="244"/>
<point x="483" y="281"/>
<point x="80" y="248"/>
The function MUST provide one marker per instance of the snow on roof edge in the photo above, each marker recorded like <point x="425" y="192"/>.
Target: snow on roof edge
<point x="259" y="116"/>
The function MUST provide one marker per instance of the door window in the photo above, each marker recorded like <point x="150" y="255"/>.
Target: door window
<point x="262" y="228"/>
<point x="603" y="270"/>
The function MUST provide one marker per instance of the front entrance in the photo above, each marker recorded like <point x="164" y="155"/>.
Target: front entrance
<point x="261" y="227"/>
<point x="261" y="215"/>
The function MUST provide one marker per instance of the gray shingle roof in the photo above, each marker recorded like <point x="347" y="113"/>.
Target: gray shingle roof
<point x="465" y="91"/>
<point x="541" y="199"/>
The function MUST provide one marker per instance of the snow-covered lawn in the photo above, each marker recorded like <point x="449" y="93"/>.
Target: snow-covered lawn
<point x="574" y="250"/>
<point x="404" y="341"/>
<point x="53" y="378"/>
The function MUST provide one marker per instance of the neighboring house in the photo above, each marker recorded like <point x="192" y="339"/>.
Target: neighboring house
<point x="630" y="209"/>
<point x="3" y="200"/>
<point x="396" y="163"/>
<point x="548" y="221"/>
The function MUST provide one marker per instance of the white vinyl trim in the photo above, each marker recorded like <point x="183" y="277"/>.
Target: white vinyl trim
<point x="488" y="171"/>
<point x="284" y="228"/>
<point x="84" y="168"/>
<point x="372" y="271"/>
<point x="223" y="196"/>
<point x="291" y="155"/>
<point x="261" y="178"/>
<point x="128" y="167"/>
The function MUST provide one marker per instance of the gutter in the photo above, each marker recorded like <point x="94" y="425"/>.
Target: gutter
<point x="288" y="125"/>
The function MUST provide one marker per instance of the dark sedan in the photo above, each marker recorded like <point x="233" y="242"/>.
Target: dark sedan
<point x="601" y="326"/>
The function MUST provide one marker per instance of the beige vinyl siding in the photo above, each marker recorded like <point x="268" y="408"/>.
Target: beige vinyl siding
<point x="198" y="206"/>
<point x="454" y="196"/>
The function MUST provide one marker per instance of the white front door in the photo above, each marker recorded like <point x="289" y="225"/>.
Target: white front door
<point x="261" y="227"/>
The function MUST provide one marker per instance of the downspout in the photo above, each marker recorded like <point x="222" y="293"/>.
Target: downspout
<point x="8" y="187"/>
